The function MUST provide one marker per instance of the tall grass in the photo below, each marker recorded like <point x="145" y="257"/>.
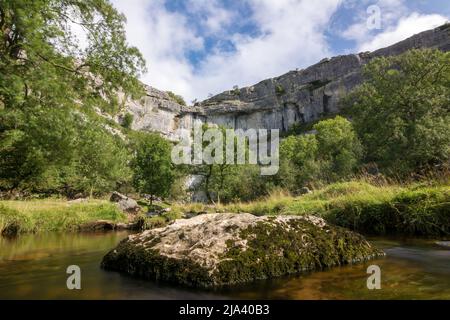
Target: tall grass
<point x="55" y="215"/>
<point x="371" y="207"/>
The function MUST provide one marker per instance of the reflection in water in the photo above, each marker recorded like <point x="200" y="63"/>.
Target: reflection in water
<point x="34" y="267"/>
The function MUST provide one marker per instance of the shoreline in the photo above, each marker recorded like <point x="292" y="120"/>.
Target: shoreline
<point x="421" y="210"/>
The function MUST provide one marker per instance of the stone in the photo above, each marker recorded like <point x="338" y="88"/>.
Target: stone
<point x="116" y="197"/>
<point x="445" y="244"/>
<point x="153" y="214"/>
<point x="100" y="225"/>
<point x="125" y="203"/>
<point x="299" y="96"/>
<point x="305" y="190"/>
<point x="219" y="249"/>
<point x="157" y="211"/>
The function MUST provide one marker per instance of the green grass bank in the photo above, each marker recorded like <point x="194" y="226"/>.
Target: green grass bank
<point x="54" y="215"/>
<point x="411" y="210"/>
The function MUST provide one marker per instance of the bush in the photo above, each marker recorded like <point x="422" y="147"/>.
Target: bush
<point x="331" y="154"/>
<point x="177" y="98"/>
<point x="279" y="90"/>
<point x="127" y="120"/>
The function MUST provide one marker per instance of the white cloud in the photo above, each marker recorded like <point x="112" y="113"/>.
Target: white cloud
<point x="405" y="28"/>
<point x="397" y="24"/>
<point x="291" y="36"/>
<point x="390" y="10"/>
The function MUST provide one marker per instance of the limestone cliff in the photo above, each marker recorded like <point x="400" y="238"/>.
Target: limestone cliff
<point x="299" y="96"/>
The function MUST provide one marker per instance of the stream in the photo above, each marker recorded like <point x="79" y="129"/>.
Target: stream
<point x="34" y="267"/>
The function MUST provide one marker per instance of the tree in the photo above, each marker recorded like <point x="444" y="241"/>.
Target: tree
<point x="401" y="113"/>
<point x="330" y="154"/>
<point x="43" y="63"/>
<point x="102" y="159"/>
<point x="339" y="148"/>
<point x="47" y="79"/>
<point x="152" y="165"/>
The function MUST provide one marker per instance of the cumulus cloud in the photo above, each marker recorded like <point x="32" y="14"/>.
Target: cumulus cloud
<point x="201" y="49"/>
<point x="405" y="28"/>
<point x="397" y="23"/>
<point x="290" y="35"/>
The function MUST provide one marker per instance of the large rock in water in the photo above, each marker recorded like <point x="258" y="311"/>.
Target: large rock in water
<point x="223" y="249"/>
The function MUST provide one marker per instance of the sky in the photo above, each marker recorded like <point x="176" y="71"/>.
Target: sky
<point x="198" y="48"/>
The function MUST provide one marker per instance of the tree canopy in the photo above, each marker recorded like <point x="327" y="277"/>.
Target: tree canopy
<point x="401" y="113"/>
<point x="152" y="165"/>
<point x="61" y="61"/>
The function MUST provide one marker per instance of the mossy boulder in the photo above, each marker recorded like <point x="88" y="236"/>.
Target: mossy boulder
<point x="224" y="249"/>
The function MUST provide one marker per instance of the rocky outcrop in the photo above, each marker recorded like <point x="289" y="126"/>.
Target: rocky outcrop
<point x="299" y="96"/>
<point x="223" y="249"/>
<point x="125" y="203"/>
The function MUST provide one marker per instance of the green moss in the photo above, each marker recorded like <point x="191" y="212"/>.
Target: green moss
<point x="316" y="84"/>
<point x="274" y="249"/>
<point x="279" y="90"/>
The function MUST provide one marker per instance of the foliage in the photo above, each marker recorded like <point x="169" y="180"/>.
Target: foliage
<point x="50" y="85"/>
<point x="401" y="113"/>
<point x="152" y="165"/>
<point x="414" y="210"/>
<point x="279" y="90"/>
<point x="101" y="161"/>
<point x="55" y="215"/>
<point x="127" y="120"/>
<point x="332" y="153"/>
<point x="177" y="98"/>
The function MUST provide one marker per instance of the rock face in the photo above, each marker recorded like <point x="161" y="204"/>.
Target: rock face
<point x="300" y="96"/>
<point x="224" y="249"/>
<point x="125" y="204"/>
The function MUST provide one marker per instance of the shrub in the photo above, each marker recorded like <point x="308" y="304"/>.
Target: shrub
<point x="177" y="98"/>
<point x="127" y="120"/>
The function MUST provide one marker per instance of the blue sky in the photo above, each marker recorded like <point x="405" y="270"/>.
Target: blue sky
<point x="201" y="47"/>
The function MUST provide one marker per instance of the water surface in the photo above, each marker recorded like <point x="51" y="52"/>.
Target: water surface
<point x="34" y="267"/>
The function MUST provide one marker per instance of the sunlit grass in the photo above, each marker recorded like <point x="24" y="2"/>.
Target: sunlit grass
<point x="375" y="208"/>
<point x="56" y="215"/>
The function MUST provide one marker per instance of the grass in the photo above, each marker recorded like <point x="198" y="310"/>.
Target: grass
<point x="415" y="209"/>
<point x="54" y="215"/>
<point x="371" y="208"/>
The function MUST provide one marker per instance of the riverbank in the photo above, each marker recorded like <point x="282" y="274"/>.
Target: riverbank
<point x="410" y="210"/>
<point x="34" y="216"/>
<point x="386" y="209"/>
